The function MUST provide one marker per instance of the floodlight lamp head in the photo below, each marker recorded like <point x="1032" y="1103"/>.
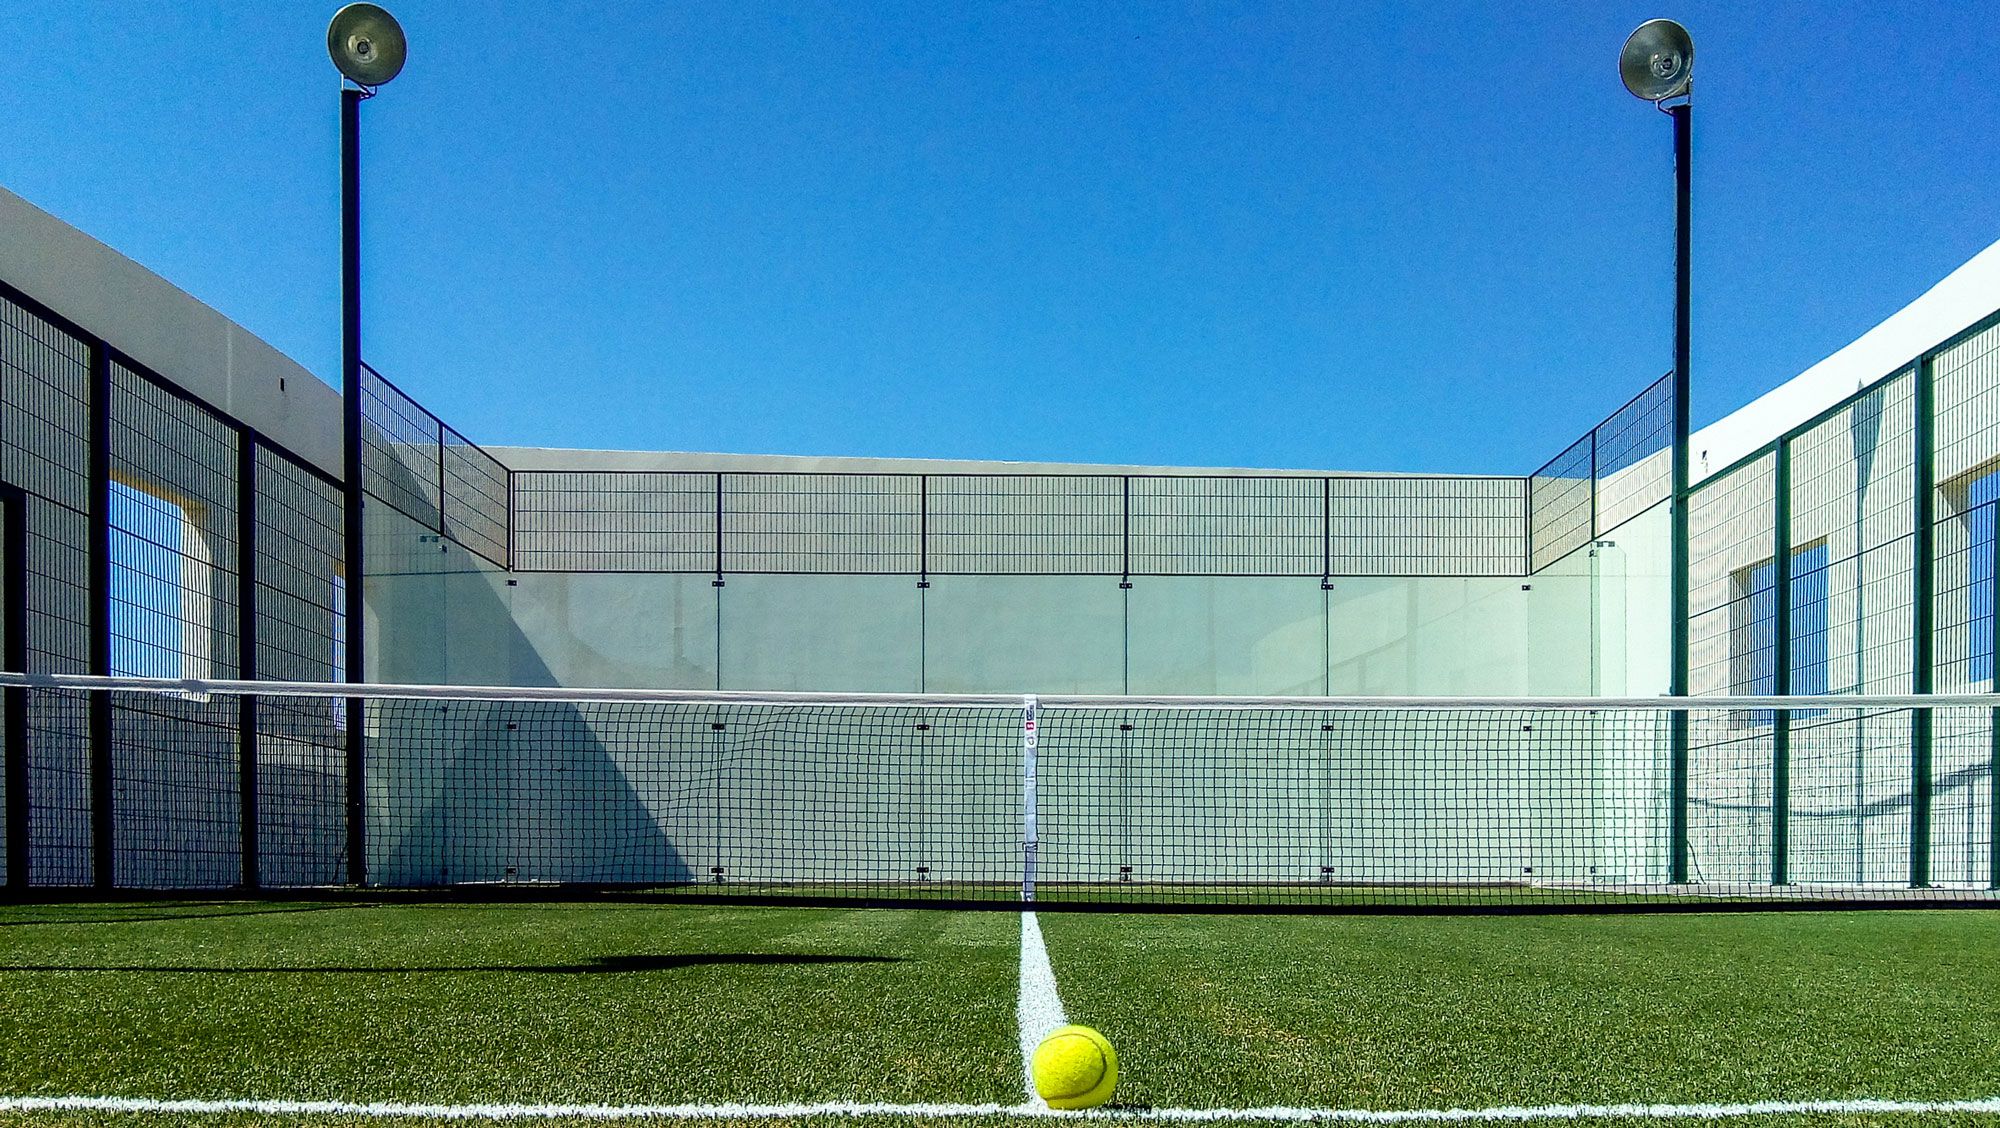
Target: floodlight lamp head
<point x="1658" y="61"/>
<point x="366" y="44"/>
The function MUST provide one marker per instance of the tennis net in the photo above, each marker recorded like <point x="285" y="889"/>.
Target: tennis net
<point x="985" y="800"/>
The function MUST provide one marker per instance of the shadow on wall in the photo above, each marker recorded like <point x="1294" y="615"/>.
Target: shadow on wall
<point x="502" y="792"/>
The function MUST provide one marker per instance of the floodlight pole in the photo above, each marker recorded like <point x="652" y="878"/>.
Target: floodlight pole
<point x="352" y="524"/>
<point x="1682" y="115"/>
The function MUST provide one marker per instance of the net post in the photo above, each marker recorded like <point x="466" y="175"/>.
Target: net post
<point x="1030" y="713"/>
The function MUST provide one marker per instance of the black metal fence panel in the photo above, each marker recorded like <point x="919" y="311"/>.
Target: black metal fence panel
<point x="1017" y="524"/>
<point x="301" y="784"/>
<point x="172" y="614"/>
<point x="425" y="470"/>
<point x="45" y="386"/>
<point x="146" y="552"/>
<point x="1620" y="469"/>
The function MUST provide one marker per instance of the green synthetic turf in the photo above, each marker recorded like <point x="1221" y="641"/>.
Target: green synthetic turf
<point x="652" y="1004"/>
<point x="1382" y="1012"/>
<point x="507" y="1003"/>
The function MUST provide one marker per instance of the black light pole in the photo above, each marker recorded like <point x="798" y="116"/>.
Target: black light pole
<point x="368" y="48"/>
<point x="1657" y="64"/>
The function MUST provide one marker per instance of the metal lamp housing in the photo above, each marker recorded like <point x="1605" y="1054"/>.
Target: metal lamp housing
<point x="1657" y="61"/>
<point x="366" y="44"/>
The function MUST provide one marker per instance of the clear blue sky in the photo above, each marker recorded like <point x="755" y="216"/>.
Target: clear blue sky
<point x="1298" y="235"/>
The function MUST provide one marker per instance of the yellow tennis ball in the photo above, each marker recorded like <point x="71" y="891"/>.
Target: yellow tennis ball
<point x="1075" y="1067"/>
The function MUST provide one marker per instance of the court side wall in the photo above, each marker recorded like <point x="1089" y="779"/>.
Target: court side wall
<point x="1583" y="625"/>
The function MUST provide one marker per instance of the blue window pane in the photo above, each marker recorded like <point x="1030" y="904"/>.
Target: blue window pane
<point x="1978" y="512"/>
<point x="149" y="627"/>
<point x="1756" y="639"/>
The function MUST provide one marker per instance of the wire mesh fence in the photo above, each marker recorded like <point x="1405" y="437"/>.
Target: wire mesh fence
<point x="412" y="461"/>
<point x="1018" y="524"/>
<point x="1620" y="469"/>
<point x="1308" y="804"/>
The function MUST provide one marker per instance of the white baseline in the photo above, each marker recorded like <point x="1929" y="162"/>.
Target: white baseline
<point x="1041" y="1009"/>
<point x="392" y="1109"/>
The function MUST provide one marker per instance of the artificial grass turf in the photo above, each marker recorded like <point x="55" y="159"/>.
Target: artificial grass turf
<point x="559" y="1003"/>
<point x="638" y="1004"/>
<point x="1388" y="1012"/>
<point x="202" y="1120"/>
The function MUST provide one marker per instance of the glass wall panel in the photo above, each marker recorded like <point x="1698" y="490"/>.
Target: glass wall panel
<point x="1024" y="634"/>
<point x="615" y="630"/>
<point x="1203" y="635"/>
<point x="403" y="599"/>
<point x="480" y="642"/>
<point x="1442" y="636"/>
<point x="833" y="633"/>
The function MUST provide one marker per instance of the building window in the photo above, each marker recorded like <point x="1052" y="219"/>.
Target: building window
<point x="160" y="600"/>
<point x="1753" y="629"/>
<point x="1977" y="499"/>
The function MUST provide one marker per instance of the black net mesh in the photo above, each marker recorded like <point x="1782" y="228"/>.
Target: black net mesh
<point x="1298" y="805"/>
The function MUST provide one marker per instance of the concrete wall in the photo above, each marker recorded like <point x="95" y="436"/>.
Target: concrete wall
<point x="161" y="327"/>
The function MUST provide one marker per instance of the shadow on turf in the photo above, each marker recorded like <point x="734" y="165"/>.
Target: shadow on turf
<point x="167" y="916"/>
<point x="601" y="965"/>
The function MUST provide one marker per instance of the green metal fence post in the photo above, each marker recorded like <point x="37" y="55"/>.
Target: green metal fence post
<point x="1677" y="828"/>
<point x="1923" y="612"/>
<point x="1781" y="664"/>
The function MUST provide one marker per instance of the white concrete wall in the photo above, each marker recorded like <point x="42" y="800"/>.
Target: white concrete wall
<point x="163" y="328"/>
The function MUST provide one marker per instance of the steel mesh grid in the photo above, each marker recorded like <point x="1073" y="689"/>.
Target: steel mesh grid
<point x="1227" y="526"/>
<point x="401" y="450"/>
<point x="1966" y="460"/>
<point x="1560" y="513"/>
<point x="1427" y="526"/>
<point x="999" y="524"/>
<point x="585" y="521"/>
<point x="475" y="498"/>
<point x="1966" y="639"/>
<point x="44" y="449"/>
<point x="1729" y="798"/>
<point x="301" y="757"/>
<point x="853" y="524"/>
<point x="1732" y="522"/>
<point x="1853" y="542"/>
<point x="894" y="802"/>
<point x="298" y="561"/>
<point x="173" y="609"/>
<point x="1137" y="805"/>
<point x="1961" y="847"/>
<point x="1966" y="402"/>
<point x="954" y="524"/>
<point x="173" y="527"/>
<point x="1635" y="467"/>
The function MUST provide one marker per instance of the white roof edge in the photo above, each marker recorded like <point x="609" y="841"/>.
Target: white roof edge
<point x="163" y="327"/>
<point x="1965" y="297"/>
<point x="552" y="458"/>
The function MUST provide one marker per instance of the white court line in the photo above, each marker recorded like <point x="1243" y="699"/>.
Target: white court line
<point x="389" y="1109"/>
<point x="1041" y="1009"/>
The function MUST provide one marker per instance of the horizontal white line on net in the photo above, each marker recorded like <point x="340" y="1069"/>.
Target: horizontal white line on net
<point x="399" y="1109"/>
<point x="202" y="687"/>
